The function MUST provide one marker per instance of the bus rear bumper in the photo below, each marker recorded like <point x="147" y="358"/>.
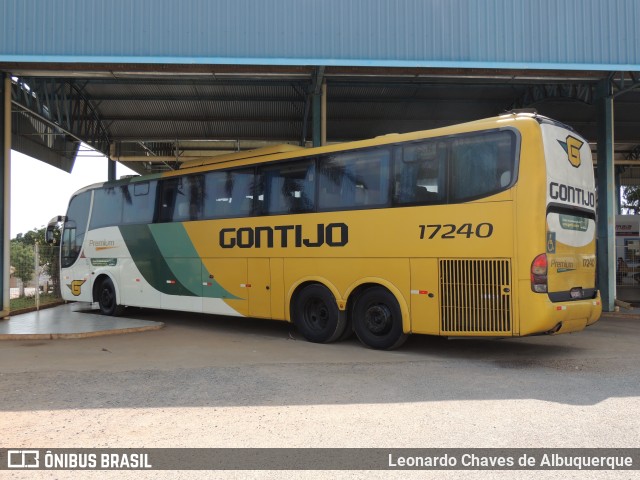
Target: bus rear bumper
<point x="564" y="317"/>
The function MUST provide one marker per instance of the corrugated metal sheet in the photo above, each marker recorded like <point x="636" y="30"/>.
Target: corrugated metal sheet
<point x="566" y="34"/>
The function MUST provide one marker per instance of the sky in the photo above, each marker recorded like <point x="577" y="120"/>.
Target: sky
<point x="39" y="191"/>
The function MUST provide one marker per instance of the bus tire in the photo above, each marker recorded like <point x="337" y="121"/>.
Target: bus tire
<point x="377" y="319"/>
<point x="107" y="299"/>
<point x="316" y="314"/>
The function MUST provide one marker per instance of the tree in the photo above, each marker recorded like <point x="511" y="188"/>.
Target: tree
<point x="631" y="199"/>
<point x="22" y="261"/>
<point x="48" y="254"/>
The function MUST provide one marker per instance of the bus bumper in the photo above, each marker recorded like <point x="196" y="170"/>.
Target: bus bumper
<point x="562" y="317"/>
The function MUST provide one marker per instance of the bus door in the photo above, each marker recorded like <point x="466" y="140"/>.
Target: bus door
<point x="76" y="280"/>
<point x="259" y="292"/>
<point x="183" y="287"/>
<point x="225" y="286"/>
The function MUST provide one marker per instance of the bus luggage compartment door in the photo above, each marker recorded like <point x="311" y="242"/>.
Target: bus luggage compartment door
<point x="475" y="297"/>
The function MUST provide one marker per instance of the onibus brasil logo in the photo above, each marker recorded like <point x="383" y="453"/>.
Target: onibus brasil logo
<point x="572" y="147"/>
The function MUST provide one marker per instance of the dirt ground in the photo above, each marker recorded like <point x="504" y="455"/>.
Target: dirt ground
<point x="224" y="382"/>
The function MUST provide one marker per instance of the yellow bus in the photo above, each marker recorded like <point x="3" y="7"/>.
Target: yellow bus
<point x="481" y="229"/>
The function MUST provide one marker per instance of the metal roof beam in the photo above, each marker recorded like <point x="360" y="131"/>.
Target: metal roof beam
<point x="58" y="104"/>
<point x="621" y="85"/>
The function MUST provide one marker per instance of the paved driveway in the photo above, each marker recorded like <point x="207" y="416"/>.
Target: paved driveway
<point x="225" y="382"/>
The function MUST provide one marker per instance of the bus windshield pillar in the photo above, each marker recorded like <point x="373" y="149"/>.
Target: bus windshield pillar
<point x="606" y="198"/>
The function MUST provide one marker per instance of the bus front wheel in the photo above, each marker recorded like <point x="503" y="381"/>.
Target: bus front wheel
<point x="377" y="319"/>
<point x="317" y="316"/>
<point x="107" y="299"/>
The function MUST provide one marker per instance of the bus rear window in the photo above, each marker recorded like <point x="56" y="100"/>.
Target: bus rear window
<point x="481" y="165"/>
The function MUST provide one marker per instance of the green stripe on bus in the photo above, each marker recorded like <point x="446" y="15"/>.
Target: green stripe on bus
<point x="169" y="245"/>
<point x="183" y="259"/>
<point x="150" y="261"/>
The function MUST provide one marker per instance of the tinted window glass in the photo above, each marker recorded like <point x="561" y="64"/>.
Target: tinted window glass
<point x="288" y="188"/>
<point x="189" y="199"/>
<point x="420" y="173"/>
<point x="354" y="180"/>
<point x="228" y="194"/>
<point x="481" y="164"/>
<point x="107" y="206"/>
<point x="75" y="228"/>
<point x="139" y="202"/>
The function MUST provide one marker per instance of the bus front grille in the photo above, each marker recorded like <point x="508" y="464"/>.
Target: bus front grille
<point x="475" y="296"/>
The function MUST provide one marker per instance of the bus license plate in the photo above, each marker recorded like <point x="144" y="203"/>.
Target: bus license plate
<point x="576" y="293"/>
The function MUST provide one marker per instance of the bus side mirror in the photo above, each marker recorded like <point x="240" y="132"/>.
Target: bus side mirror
<point x="49" y="235"/>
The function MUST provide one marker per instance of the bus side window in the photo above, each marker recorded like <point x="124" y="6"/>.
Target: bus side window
<point x="481" y="165"/>
<point x="228" y="194"/>
<point x="354" y="180"/>
<point x="289" y="188"/>
<point x="139" y="202"/>
<point x="240" y="189"/>
<point x="167" y="198"/>
<point x="107" y="207"/>
<point x="419" y="174"/>
<point x="189" y="199"/>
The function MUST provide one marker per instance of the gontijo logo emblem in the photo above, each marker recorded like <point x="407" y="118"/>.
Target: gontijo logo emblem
<point x="572" y="147"/>
<point x="76" y="287"/>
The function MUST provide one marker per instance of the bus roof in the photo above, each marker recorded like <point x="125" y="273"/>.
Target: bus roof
<point x="227" y="157"/>
<point x="276" y="150"/>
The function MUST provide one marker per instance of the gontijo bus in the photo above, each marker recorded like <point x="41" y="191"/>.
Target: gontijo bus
<point x="480" y="229"/>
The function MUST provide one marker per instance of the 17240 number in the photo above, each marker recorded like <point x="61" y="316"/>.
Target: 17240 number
<point x="450" y="231"/>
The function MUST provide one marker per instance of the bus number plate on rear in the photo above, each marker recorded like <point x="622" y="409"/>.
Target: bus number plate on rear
<point x="449" y="231"/>
<point x="576" y="293"/>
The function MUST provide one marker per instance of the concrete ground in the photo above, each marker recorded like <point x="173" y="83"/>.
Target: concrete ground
<point x="206" y="381"/>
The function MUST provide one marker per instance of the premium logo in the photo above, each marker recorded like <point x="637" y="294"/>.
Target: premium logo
<point x="102" y="244"/>
<point x="572" y="148"/>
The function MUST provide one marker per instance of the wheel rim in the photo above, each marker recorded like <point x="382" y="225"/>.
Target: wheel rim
<point x="316" y="314"/>
<point x="378" y="319"/>
<point x="106" y="297"/>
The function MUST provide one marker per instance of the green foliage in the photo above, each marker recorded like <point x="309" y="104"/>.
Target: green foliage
<point x="24" y="303"/>
<point x="631" y="199"/>
<point x="22" y="261"/>
<point x="48" y="254"/>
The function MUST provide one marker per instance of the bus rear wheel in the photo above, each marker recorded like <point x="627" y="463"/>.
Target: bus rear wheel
<point x="377" y="319"/>
<point x="317" y="316"/>
<point x="107" y="299"/>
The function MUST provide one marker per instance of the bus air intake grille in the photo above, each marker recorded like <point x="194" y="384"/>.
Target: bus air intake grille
<point x="475" y="296"/>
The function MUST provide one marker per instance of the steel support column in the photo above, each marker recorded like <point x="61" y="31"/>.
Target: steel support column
<point x="111" y="170"/>
<point x="5" y="163"/>
<point x="316" y="119"/>
<point x="606" y="198"/>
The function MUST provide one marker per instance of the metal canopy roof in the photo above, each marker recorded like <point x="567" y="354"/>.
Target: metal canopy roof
<point x="150" y="116"/>
<point x="152" y="81"/>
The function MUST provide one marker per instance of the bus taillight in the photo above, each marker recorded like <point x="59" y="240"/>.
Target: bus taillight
<point x="539" y="274"/>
